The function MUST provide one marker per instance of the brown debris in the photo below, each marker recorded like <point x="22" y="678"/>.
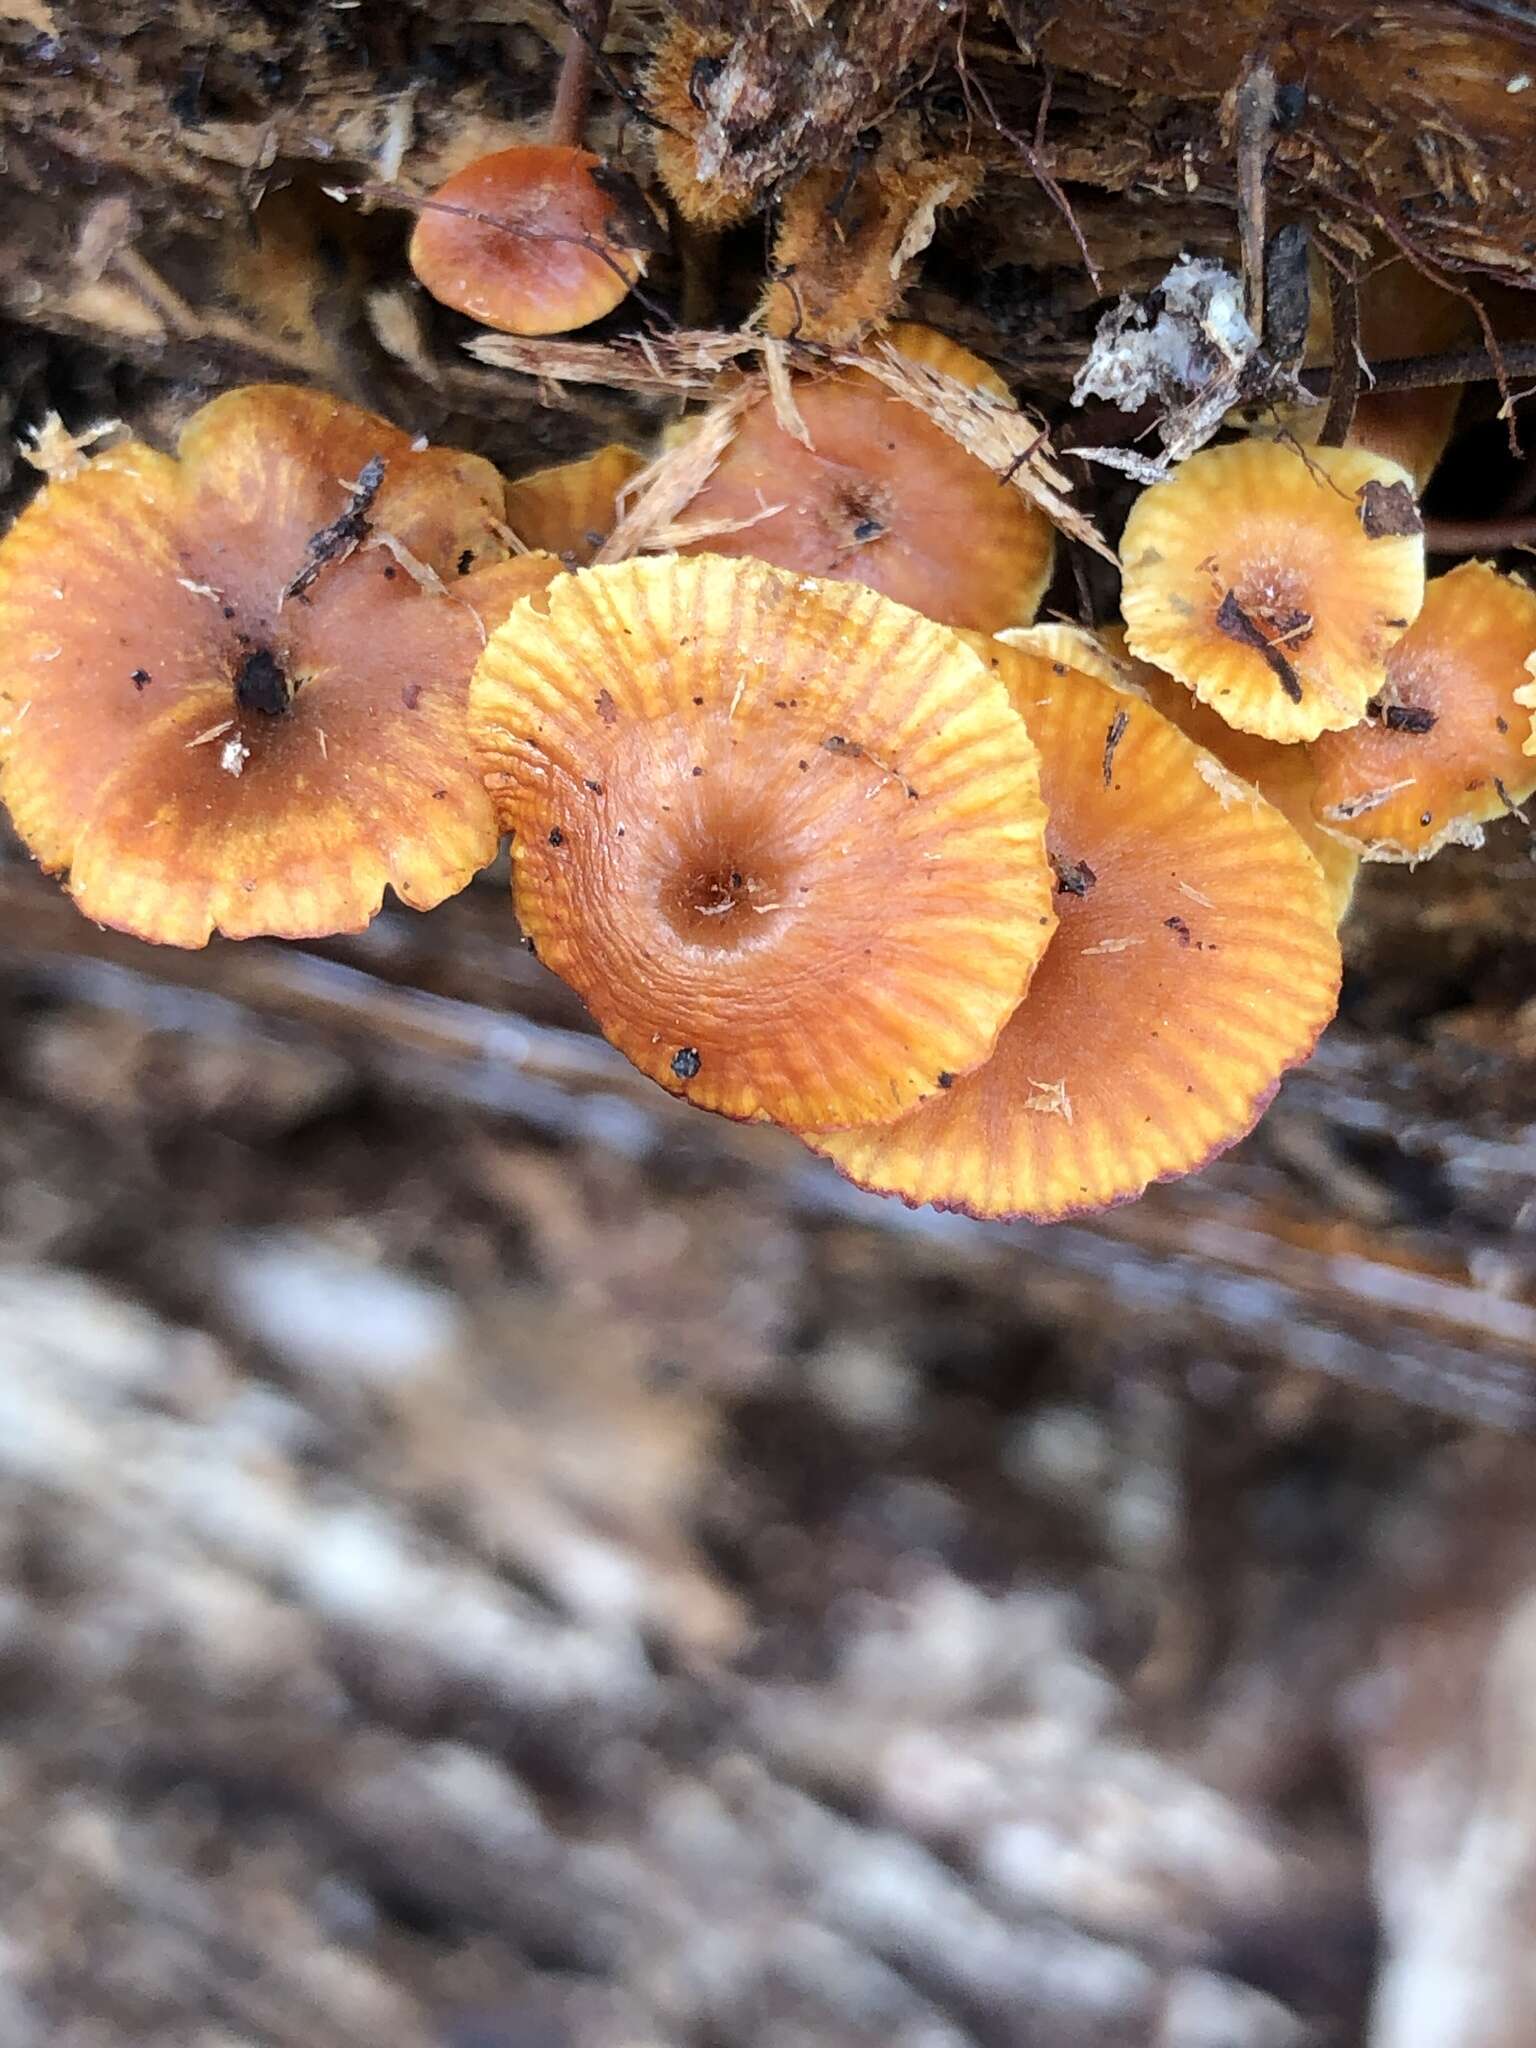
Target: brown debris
<point x="342" y="535"/>
<point x="1237" y="625"/>
<point x="846" y="239"/>
<point x="1388" y="511"/>
<point x="753" y="98"/>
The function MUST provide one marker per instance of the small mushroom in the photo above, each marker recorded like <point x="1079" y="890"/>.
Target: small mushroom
<point x="570" y="510"/>
<point x="881" y="496"/>
<point x="529" y="240"/>
<point x="1195" y="961"/>
<point x="544" y="237"/>
<point x="1442" y="749"/>
<point x="233" y="683"/>
<point x="784" y="837"/>
<point x="1274" y="583"/>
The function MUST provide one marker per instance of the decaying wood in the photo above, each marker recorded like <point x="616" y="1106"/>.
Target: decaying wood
<point x="604" y="1583"/>
<point x="1291" y="1250"/>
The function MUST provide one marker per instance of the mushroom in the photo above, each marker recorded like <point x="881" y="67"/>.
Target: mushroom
<point x="784" y="837"/>
<point x="543" y="237"/>
<point x="1274" y="582"/>
<point x="1443" y="747"/>
<point x="1195" y="961"/>
<point x="1283" y="776"/>
<point x="570" y="510"/>
<point x="233" y="683"/>
<point x="1401" y="312"/>
<point x="881" y="496"/>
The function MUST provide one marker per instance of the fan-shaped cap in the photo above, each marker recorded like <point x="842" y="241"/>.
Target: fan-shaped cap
<point x="882" y="497"/>
<point x="531" y="240"/>
<point x="784" y="837"/>
<point x="1196" y="960"/>
<point x="1283" y="776"/>
<point x="1274" y="583"/>
<point x="1441" y="750"/>
<point x="222" y="705"/>
<point x="570" y="510"/>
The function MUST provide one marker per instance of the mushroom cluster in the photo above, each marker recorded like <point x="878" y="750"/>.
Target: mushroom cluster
<point x="1284" y="590"/>
<point x="1013" y="918"/>
<point x="980" y="927"/>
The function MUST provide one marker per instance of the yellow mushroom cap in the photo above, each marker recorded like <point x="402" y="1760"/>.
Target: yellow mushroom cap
<point x="882" y="496"/>
<point x="1072" y="646"/>
<point x="571" y="509"/>
<point x="1274" y="584"/>
<point x="1525" y="697"/>
<point x="1195" y="961"/>
<point x="204" y="747"/>
<point x="783" y="837"/>
<point x="1444" y="747"/>
<point x="1284" y="776"/>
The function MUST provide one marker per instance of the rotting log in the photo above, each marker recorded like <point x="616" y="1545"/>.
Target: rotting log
<point x="1389" y="1189"/>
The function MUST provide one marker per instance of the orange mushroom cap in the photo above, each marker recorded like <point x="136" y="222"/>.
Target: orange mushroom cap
<point x="784" y="837"/>
<point x="1274" y="583"/>
<point x="1195" y="961"/>
<point x="1284" y="776"/>
<point x="570" y="510"/>
<point x="1444" y="747"/>
<point x="203" y="746"/>
<point x="527" y="241"/>
<point x="882" y="497"/>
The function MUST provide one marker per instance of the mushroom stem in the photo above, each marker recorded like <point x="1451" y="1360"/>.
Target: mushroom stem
<point x="1478" y="536"/>
<point x="263" y="684"/>
<point x="1423" y="373"/>
<point x="573" y="90"/>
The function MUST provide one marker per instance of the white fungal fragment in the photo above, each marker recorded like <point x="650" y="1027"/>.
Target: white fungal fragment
<point x="1049" y="1098"/>
<point x="1188" y="358"/>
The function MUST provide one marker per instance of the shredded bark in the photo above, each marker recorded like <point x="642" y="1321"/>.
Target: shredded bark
<point x="1011" y="443"/>
<point x="655" y="497"/>
<point x="1344" y="391"/>
<point x="1370" y="800"/>
<point x="1255" y="121"/>
<point x="263" y="685"/>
